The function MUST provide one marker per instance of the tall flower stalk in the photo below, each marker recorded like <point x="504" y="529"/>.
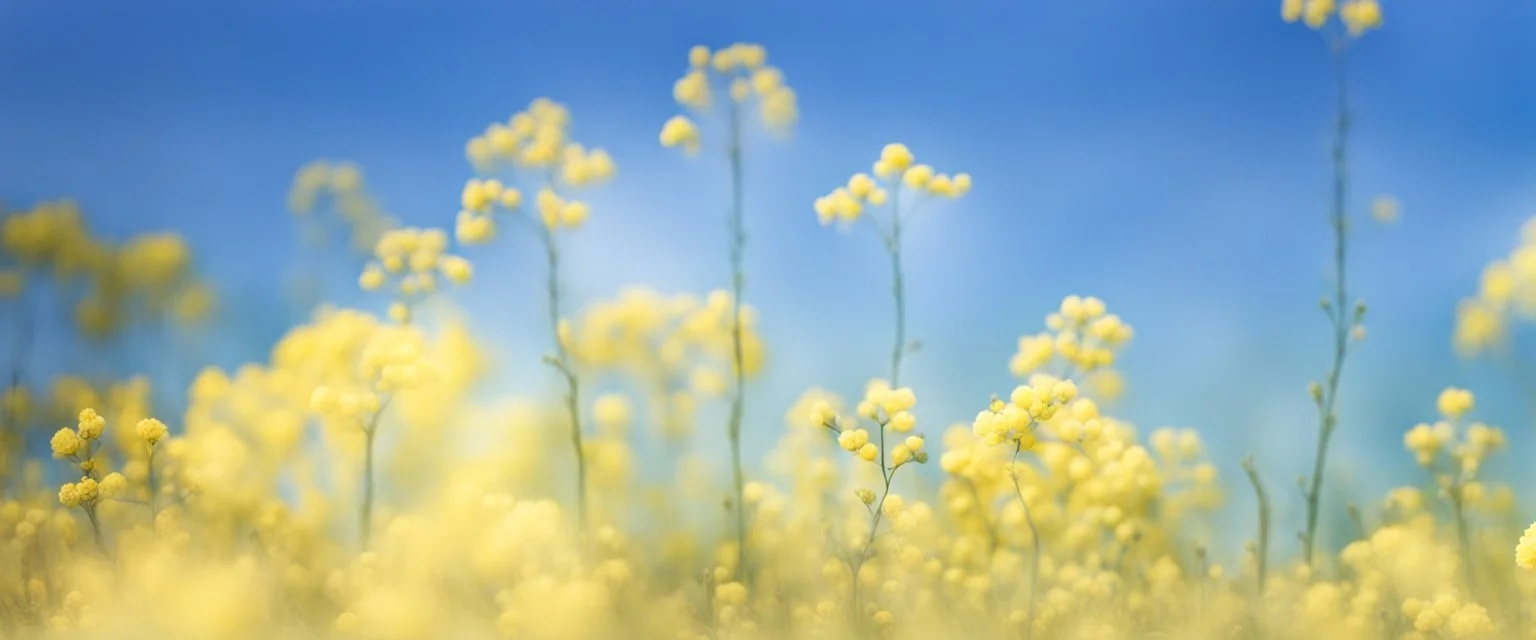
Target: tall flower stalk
<point x="1261" y="550"/>
<point x="743" y="69"/>
<point x="406" y="264"/>
<point x="1354" y="19"/>
<point x="538" y="139"/>
<point x="894" y="172"/>
<point x="738" y="246"/>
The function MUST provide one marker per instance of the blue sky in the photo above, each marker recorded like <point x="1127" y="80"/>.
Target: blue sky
<point x="1167" y="156"/>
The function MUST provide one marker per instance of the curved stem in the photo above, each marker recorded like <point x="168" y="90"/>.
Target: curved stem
<point x="1339" y="313"/>
<point x="1262" y="497"/>
<point x="874" y="528"/>
<point x="365" y="509"/>
<point x="562" y="362"/>
<point x="1034" y="539"/>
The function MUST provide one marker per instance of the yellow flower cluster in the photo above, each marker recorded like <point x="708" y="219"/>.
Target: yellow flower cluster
<point x="1013" y="422"/>
<point x="1468" y="446"/>
<point x="744" y="72"/>
<point x="894" y="171"/>
<point x="1083" y="337"/>
<point x="410" y="261"/>
<point x="1357" y="16"/>
<point x="1052" y="517"/>
<point x="889" y="409"/>
<point x="1525" y="550"/>
<point x="342" y="186"/>
<point x="677" y="348"/>
<point x="1506" y="292"/>
<point x="82" y="446"/>
<point x="537" y="139"/>
<point x="155" y="268"/>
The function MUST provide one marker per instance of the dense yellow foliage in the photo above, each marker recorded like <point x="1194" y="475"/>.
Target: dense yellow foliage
<point x="352" y="485"/>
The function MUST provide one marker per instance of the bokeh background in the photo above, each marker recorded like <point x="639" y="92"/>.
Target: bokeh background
<point x="1169" y="157"/>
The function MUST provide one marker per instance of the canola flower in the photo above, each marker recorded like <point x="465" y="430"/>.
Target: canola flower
<point x="1354" y="18"/>
<point x="1051" y="517"/>
<point x="1505" y="296"/>
<point x="749" y="81"/>
<point x="538" y="141"/>
<point x="149" y="277"/>
<point x="894" y="173"/>
<point x="329" y="198"/>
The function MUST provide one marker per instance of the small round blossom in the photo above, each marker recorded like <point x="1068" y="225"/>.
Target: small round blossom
<point x="91" y="424"/>
<point x="894" y="172"/>
<point x="151" y="431"/>
<point x="743" y="71"/>
<point x="1525" y="551"/>
<point x="65" y="443"/>
<point x="1454" y="403"/>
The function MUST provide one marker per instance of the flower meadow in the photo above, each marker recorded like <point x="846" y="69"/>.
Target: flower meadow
<point x="351" y="482"/>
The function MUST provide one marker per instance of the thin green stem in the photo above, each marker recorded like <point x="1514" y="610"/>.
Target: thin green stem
<point x="90" y="514"/>
<point x="1338" y="313"/>
<point x="1034" y="540"/>
<point x="877" y="513"/>
<point x="365" y="509"/>
<point x="562" y="362"/>
<point x="981" y="515"/>
<point x="13" y="426"/>
<point x="1262" y="497"/>
<point x="738" y="242"/>
<point x="154" y="491"/>
<point x="1463" y="536"/>
<point x="893" y="246"/>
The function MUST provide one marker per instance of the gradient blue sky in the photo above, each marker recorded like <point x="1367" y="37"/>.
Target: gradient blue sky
<point x="1167" y="156"/>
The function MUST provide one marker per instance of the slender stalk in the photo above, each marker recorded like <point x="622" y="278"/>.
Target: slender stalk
<point x="154" y="491"/>
<point x="365" y="509"/>
<point x="562" y="362"/>
<point x="1463" y="536"/>
<point x="981" y="514"/>
<point x="1263" y="500"/>
<point x="893" y="246"/>
<point x="90" y="514"/>
<point x="1338" y="313"/>
<point x="738" y="242"/>
<point x="1034" y="539"/>
<point x="13" y="426"/>
<point x="877" y="513"/>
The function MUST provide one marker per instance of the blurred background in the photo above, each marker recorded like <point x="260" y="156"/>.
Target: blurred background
<point x="1169" y="157"/>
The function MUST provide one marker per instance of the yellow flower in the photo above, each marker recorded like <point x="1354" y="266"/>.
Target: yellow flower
<point x="1525" y="551"/>
<point x="692" y="90"/>
<point x="915" y="177"/>
<point x="698" y="56"/>
<point x="679" y="131"/>
<point x="456" y="269"/>
<point x="895" y="157"/>
<point x="371" y="279"/>
<point x="1316" y="12"/>
<point x="65" y="443"/>
<point x="1454" y="403"/>
<point x="91" y="424"/>
<point x="1290" y="10"/>
<point x="113" y="484"/>
<point x="1360" y="16"/>
<point x="151" y="431"/>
